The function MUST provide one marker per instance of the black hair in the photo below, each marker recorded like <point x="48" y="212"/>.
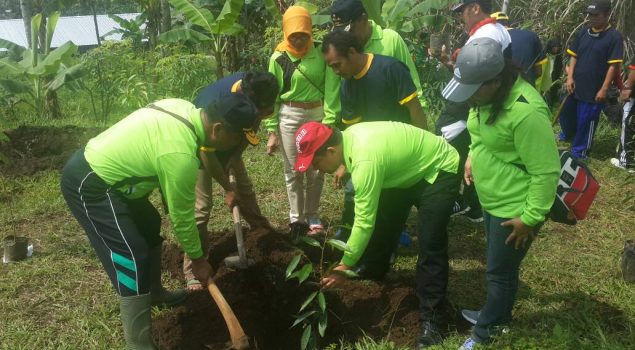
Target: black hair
<point x="555" y="42"/>
<point x="507" y="79"/>
<point x="333" y="140"/>
<point x="342" y="41"/>
<point x="260" y="87"/>
<point x="486" y="5"/>
<point x="212" y="117"/>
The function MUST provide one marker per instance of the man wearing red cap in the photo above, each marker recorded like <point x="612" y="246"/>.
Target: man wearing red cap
<point x="418" y="169"/>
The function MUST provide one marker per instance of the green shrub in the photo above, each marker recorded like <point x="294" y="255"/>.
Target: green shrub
<point x="108" y="66"/>
<point x="183" y="75"/>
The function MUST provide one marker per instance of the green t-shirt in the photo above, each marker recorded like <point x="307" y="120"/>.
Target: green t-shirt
<point x="385" y="42"/>
<point x="515" y="162"/>
<point x="305" y="86"/>
<point x="159" y="151"/>
<point x="383" y="155"/>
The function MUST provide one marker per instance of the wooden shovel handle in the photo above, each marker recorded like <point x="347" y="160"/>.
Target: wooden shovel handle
<point x="239" y="339"/>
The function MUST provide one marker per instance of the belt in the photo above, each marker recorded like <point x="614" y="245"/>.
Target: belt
<point x="303" y="105"/>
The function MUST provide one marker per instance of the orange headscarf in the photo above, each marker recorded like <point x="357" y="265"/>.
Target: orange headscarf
<point x="296" y="20"/>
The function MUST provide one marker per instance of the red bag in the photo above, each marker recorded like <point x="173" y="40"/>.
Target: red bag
<point x="576" y="191"/>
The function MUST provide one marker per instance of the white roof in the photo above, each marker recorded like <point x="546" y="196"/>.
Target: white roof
<point x="78" y="29"/>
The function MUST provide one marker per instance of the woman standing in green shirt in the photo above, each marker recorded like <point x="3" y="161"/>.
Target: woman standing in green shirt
<point x="514" y="165"/>
<point x="299" y="68"/>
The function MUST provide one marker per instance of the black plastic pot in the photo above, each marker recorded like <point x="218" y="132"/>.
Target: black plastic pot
<point x="15" y="248"/>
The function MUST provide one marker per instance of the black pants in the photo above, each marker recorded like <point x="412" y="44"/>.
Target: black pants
<point x="462" y="145"/>
<point x="434" y="204"/>
<point x="121" y="230"/>
<point x="626" y="147"/>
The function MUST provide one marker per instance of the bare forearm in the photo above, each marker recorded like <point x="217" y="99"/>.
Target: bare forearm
<point x="572" y="64"/>
<point x="417" y="116"/>
<point x="215" y="168"/>
<point x="610" y="76"/>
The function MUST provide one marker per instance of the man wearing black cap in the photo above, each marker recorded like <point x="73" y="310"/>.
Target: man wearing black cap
<point x="350" y="16"/>
<point x="260" y="88"/>
<point x="596" y="55"/>
<point x="106" y="185"/>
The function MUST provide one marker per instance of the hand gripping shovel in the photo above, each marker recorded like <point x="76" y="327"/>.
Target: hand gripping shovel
<point x="240" y="261"/>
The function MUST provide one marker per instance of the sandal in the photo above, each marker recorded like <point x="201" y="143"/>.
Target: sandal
<point x="194" y="282"/>
<point x="315" y="227"/>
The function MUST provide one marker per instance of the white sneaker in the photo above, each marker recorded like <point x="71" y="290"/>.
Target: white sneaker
<point x="616" y="163"/>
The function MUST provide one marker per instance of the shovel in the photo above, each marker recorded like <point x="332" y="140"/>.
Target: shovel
<point x="241" y="261"/>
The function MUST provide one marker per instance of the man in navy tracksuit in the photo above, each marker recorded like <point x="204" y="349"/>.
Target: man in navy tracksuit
<point x="596" y="55"/>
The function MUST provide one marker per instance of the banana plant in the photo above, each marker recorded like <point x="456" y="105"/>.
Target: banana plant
<point x="129" y="29"/>
<point x="202" y="26"/>
<point x="36" y="77"/>
<point x="407" y="15"/>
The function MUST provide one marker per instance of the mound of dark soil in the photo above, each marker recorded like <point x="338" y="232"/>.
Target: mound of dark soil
<point x="265" y="303"/>
<point x="32" y="149"/>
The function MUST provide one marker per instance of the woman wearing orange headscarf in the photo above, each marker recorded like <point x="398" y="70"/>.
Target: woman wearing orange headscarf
<point x="299" y="68"/>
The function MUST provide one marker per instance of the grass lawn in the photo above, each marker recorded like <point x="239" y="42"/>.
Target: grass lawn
<point x="572" y="295"/>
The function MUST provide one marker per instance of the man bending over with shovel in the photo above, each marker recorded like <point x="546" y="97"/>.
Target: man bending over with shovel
<point x="107" y="185"/>
<point x="261" y="88"/>
<point x="393" y="166"/>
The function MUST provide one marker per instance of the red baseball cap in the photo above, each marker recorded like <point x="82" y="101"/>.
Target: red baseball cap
<point x="308" y="139"/>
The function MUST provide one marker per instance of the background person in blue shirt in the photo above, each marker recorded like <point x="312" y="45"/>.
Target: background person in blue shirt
<point x="596" y="55"/>
<point x="374" y="88"/>
<point x="260" y="88"/>
<point x="527" y="50"/>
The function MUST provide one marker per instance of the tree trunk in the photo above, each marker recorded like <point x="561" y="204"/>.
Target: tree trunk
<point x="166" y="17"/>
<point x="26" y="9"/>
<point x="153" y="12"/>
<point x="42" y="37"/>
<point x="92" y="8"/>
<point x="52" y="107"/>
<point x="219" y="64"/>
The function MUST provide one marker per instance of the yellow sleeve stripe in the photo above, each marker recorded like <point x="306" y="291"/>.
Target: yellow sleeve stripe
<point x="408" y="98"/>
<point x="572" y="53"/>
<point x="615" y="61"/>
<point x="207" y="149"/>
<point x="543" y="61"/>
<point x="352" y="121"/>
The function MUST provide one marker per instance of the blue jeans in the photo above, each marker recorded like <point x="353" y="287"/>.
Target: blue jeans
<point x="503" y="263"/>
<point x="578" y="121"/>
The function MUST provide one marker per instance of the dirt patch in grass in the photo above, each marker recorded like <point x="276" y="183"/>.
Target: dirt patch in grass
<point x="265" y="303"/>
<point x="32" y="149"/>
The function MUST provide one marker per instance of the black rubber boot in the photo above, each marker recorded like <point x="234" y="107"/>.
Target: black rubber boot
<point x="137" y="322"/>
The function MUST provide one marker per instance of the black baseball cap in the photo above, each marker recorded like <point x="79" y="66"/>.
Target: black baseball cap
<point x="599" y="6"/>
<point x="238" y="112"/>
<point x="343" y="12"/>
<point x="459" y="7"/>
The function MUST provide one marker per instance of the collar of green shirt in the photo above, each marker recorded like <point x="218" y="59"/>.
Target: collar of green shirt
<point x="377" y="32"/>
<point x="514" y="94"/>
<point x="517" y="90"/>
<point x="199" y="128"/>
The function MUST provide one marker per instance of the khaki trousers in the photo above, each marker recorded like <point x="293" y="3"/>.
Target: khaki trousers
<point x="304" y="199"/>
<point x="249" y="209"/>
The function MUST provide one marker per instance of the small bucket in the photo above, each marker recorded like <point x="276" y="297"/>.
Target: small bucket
<point x="437" y="40"/>
<point x="15" y="248"/>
